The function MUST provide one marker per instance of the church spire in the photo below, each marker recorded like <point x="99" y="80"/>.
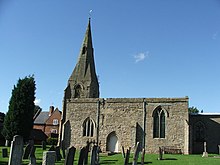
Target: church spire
<point x="83" y="82"/>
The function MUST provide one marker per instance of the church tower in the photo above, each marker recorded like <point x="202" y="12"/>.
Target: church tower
<point x="83" y="82"/>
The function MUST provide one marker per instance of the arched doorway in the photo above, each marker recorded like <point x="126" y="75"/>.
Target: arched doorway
<point x="112" y="142"/>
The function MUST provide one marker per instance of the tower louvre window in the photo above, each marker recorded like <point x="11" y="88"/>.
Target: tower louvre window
<point x="78" y="91"/>
<point x="159" y="123"/>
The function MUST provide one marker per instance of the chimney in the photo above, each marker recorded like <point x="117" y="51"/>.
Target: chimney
<point x="51" y="110"/>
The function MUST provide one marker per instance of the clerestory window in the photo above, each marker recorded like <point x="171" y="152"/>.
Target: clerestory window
<point x="88" y="127"/>
<point x="158" y="123"/>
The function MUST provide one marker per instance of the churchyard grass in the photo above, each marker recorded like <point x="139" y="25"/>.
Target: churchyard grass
<point x="168" y="159"/>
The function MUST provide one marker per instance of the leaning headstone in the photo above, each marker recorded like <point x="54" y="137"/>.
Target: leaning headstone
<point x="87" y="152"/>
<point x="49" y="158"/>
<point x="160" y="156"/>
<point x="44" y="145"/>
<point x="16" y="151"/>
<point x="4" y="152"/>
<point x="205" y="153"/>
<point x="94" y="155"/>
<point x="69" y="160"/>
<point x="32" y="156"/>
<point x="123" y="151"/>
<point x="136" y="153"/>
<point x="58" y="155"/>
<point x="27" y="151"/>
<point x="219" y="149"/>
<point x="63" y="148"/>
<point x="81" y="156"/>
<point x="126" y="161"/>
<point x="142" y="156"/>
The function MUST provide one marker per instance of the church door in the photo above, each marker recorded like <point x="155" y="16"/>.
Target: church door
<point x="112" y="142"/>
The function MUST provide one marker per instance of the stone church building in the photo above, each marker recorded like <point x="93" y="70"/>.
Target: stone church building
<point x="117" y="122"/>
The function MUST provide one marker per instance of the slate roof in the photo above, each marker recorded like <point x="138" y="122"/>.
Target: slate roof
<point x="41" y="118"/>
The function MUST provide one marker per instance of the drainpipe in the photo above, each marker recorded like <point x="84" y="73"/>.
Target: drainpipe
<point x="97" y="122"/>
<point x="144" y="122"/>
<point x="97" y="129"/>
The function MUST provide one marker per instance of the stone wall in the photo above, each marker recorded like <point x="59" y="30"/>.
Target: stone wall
<point x="176" y="129"/>
<point x="124" y="117"/>
<point x="210" y="133"/>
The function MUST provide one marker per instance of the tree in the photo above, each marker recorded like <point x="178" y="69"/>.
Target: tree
<point x="193" y="110"/>
<point x="2" y="116"/>
<point x="19" y="118"/>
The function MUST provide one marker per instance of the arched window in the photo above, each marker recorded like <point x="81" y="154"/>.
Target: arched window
<point x="199" y="128"/>
<point x="159" y="123"/>
<point x="88" y="128"/>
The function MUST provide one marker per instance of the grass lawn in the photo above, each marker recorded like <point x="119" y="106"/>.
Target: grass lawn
<point x="118" y="160"/>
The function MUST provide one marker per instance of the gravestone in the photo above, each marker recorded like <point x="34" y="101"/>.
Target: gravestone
<point x="58" y="155"/>
<point x="136" y="153"/>
<point x="63" y="148"/>
<point x="205" y="153"/>
<point x="44" y="145"/>
<point x="160" y="156"/>
<point x="27" y="151"/>
<point x="142" y="156"/>
<point x="126" y="161"/>
<point x="69" y="160"/>
<point x="4" y="152"/>
<point x="66" y="134"/>
<point x="49" y="158"/>
<point x="94" y="155"/>
<point x="81" y="156"/>
<point x="7" y="143"/>
<point x="219" y="149"/>
<point x="16" y="151"/>
<point x="86" y="152"/>
<point x="123" y="151"/>
<point x="32" y="156"/>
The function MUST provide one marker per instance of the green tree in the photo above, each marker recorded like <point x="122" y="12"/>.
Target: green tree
<point x="19" y="118"/>
<point x="193" y="110"/>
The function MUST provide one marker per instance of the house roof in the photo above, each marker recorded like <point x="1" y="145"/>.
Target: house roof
<point x="41" y="118"/>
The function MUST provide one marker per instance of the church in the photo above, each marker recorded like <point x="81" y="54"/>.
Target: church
<point x="115" y="122"/>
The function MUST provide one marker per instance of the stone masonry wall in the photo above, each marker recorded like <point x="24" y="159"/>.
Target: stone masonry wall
<point x="176" y="127"/>
<point x="122" y="115"/>
<point x="211" y="123"/>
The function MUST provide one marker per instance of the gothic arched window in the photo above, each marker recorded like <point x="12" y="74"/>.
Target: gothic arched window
<point x="88" y="127"/>
<point x="159" y="123"/>
<point x="199" y="132"/>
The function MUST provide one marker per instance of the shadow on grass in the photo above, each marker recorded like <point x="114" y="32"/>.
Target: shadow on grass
<point x="169" y="159"/>
<point x="144" y="163"/>
<point x="109" y="161"/>
<point x="3" y="163"/>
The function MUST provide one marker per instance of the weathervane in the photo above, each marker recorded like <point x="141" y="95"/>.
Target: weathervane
<point x="90" y="14"/>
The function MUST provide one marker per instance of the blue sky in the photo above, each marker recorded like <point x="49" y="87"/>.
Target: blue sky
<point x="144" y="48"/>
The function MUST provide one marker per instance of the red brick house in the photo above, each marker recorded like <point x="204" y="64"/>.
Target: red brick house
<point x="48" y="122"/>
